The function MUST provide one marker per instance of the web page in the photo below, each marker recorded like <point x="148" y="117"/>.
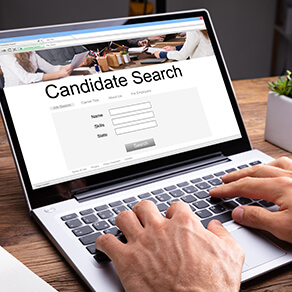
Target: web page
<point x="121" y="101"/>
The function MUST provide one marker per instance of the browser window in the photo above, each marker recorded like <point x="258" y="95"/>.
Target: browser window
<point x="130" y="94"/>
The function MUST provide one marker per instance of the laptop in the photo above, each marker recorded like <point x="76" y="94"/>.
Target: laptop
<point x="89" y="146"/>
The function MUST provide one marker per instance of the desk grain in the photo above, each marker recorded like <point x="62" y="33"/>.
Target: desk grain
<point x="21" y="236"/>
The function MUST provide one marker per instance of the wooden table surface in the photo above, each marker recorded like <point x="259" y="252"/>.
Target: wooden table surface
<point x="21" y="236"/>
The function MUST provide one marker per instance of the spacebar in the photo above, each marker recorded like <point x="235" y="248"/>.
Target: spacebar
<point x="222" y="218"/>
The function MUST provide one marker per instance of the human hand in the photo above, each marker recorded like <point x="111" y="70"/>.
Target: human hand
<point x="175" y="254"/>
<point x="156" y="54"/>
<point x="271" y="182"/>
<point x="65" y="71"/>
<point x="87" y="62"/>
<point x="169" y="48"/>
<point x="144" y="43"/>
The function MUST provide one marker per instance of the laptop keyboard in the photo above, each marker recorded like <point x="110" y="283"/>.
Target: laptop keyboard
<point x="89" y="224"/>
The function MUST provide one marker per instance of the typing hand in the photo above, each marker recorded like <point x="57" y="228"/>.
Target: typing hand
<point x="169" y="48"/>
<point x="272" y="182"/>
<point x="156" y="54"/>
<point x="174" y="254"/>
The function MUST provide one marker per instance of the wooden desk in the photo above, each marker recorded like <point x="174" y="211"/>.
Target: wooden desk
<point x="20" y="235"/>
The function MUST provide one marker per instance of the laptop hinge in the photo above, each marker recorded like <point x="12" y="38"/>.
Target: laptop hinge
<point x="115" y="186"/>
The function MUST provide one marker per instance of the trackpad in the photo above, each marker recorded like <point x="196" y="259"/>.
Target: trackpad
<point x="258" y="250"/>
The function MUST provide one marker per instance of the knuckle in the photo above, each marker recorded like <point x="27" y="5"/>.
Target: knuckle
<point x="187" y="218"/>
<point x="256" y="168"/>
<point x="283" y="160"/>
<point x="283" y="181"/>
<point x="252" y="214"/>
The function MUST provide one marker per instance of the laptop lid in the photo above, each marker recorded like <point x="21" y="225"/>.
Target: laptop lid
<point x="123" y="119"/>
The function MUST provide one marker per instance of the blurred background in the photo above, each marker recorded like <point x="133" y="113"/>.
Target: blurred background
<point x="255" y="36"/>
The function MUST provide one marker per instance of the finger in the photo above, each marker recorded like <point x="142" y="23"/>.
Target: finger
<point x="176" y="208"/>
<point x="256" y="217"/>
<point x="263" y="171"/>
<point x="147" y="212"/>
<point x="217" y="228"/>
<point x="110" y="245"/>
<point x="129" y="224"/>
<point x="283" y="162"/>
<point x="254" y="188"/>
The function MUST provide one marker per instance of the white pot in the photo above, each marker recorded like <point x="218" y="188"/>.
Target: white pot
<point x="279" y="121"/>
<point x="126" y="58"/>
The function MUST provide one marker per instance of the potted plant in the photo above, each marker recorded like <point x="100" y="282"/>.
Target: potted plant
<point x="279" y="113"/>
<point x="126" y="56"/>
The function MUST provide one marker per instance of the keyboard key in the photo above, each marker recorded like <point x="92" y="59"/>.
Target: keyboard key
<point x="203" y="185"/>
<point x="230" y="205"/>
<point x="196" y="180"/>
<point x="163" y="197"/>
<point x="105" y="214"/>
<point x="177" y="193"/>
<point x="100" y="208"/>
<point x="74" y="223"/>
<point x="131" y="205"/>
<point x="114" y="231"/>
<point x="89" y="239"/>
<point x="192" y="208"/>
<point x="143" y="196"/>
<point x="242" y="166"/>
<point x="219" y="173"/>
<point x="213" y="201"/>
<point x="230" y="170"/>
<point x="115" y="204"/>
<point x="84" y="230"/>
<point x="203" y="213"/>
<point x="255" y="163"/>
<point x="188" y="199"/>
<point x="201" y="204"/>
<point x="157" y="192"/>
<point x="171" y="201"/>
<point x="69" y="217"/>
<point x="202" y="194"/>
<point x="86" y="212"/>
<point x="266" y="203"/>
<point x="207" y="177"/>
<point x="255" y="204"/>
<point x="91" y="248"/>
<point x="190" y="189"/>
<point x="243" y="201"/>
<point x="89" y="219"/>
<point x="225" y="217"/>
<point x="112" y="221"/>
<point x="151" y="199"/>
<point x="170" y="188"/>
<point x="120" y="209"/>
<point x="101" y="225"/>
<point x="162" y="207"/>
<point x="183" y="184"/>
<point x="101" y="257"/>
<point x="217" y="209"/>
<point x="129" y="200"/>
<point x="215" y="182"/>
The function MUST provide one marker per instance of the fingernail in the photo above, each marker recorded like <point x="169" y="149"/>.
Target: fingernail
<point x="237" y="214"/>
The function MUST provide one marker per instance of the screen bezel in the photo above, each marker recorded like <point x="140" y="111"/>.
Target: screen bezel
<point x="62" y="191"/>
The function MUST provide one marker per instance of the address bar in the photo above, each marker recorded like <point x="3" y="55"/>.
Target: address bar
<point x="139" y="32"/>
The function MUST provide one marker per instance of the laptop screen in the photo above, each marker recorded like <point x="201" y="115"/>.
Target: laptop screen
<point x="99" y="99"/>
